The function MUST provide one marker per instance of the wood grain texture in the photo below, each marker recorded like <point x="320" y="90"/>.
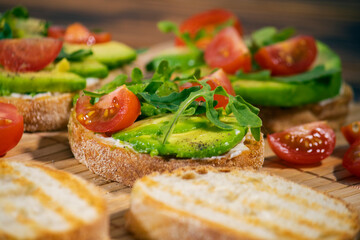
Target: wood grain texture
<point x="337" y="23"/>
<point x="52" y="148"/>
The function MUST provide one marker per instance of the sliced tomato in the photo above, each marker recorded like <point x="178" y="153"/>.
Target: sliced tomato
<point x="304" y="144"/>
<point x="228" y="51"/>
<point x="11" y="127"/>
<point x="78" y="33"/>
<point x="32" y="54"/>
<point x="292" y="56"/>
<point x="216" y="79"/>
<point x="351" y="132"/>
<point x="208" y="21"/>
<point x="351" y="160"/>
<point x="113" y="112"/>
<point x="56" y="32"/>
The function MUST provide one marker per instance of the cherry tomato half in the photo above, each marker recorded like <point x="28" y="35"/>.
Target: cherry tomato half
<point x="228" y="51"/>
<point x="56" y="31"/>
<point x="351" y="160"/>
<point x="78" y="33"/>
<point x="32" y="54"/>
<point x="351" y="132"/>
<point x="292" y="56"/>
<point x="208" y="21"/>
<point x="304" y="144"/>
<point x="217" y="78"/>
<point x="113" y="112"/>
<point x="11" y="127"/>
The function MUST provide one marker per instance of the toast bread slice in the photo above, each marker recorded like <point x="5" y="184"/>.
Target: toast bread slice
<point x="208" y="203"/>
<point x="38" y="202"/>
<point x="106" y="157"/>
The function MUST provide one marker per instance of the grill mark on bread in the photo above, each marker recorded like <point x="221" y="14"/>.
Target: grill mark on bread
<point x="253" y="220"/>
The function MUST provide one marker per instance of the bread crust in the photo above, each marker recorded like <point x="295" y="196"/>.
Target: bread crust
<point x="125" y="165"/>
<point x="169" y="223"/>
<point x="45" y="113"/>
<point x="96" y="230"/>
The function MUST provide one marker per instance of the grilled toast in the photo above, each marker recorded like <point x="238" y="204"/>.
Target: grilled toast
<point x="38" y="202"/>
<point x="208" y="203"/>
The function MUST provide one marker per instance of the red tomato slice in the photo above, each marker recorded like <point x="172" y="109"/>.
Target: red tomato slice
<point x="56" y="31"/>
<point x="33" y="54"/>
<point x="289" y="57"/>
<point x="78" y="33"/>
<point x="217" y="78"/>
<point x="114" y="111"/>
<point x="351" y="160"/>
<point x="11" y="127"/>
<point x="304" y="144"/>
<point x="351" y="132"/>
<point x="228" y="51"/>
<point x="207" y="20"/>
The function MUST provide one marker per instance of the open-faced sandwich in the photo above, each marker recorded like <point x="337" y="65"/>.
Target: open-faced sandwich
<point x="40" y="74"/>
<point x="128" y="129"/>
<point x="292" y="79"/>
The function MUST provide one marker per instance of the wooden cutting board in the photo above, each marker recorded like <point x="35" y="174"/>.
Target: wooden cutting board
<point x="329" y="176"/>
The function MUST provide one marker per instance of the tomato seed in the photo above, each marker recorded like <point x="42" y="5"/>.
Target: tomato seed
<point x="5" y="121"/>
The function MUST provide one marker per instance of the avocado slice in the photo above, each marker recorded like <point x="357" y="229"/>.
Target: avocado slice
<point x="193" y="136"/>
<point x="285" y="94"/>
<point x="89" y="67"/>
<point x="112" y="54"/>
<point x="43" y="81"/>
<point x="181" y="57"/>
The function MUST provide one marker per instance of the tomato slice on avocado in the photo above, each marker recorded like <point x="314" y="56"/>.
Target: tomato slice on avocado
<point x="78" y="33"/>
<point x="113" y="112"/>
<point x="32" y="54"/>
<point x="55" y="31"/>
<point x="292" y="56"/>
<point x="208" y="21"/>
<point x="351" y="132"/>
<point x="216" y="79"/>
<point x="11" y="127"/>
<point x="228" y="51"/>
<point x="351" y="160"/>
<point x="304" y="144"/>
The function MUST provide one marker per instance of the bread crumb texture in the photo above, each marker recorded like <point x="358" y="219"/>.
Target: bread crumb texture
<point x="208" y="203"/>
<point x="38" y="202"/>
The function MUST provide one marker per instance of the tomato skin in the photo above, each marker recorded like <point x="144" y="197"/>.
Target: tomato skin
<point x="351" y="160"/>
<point x="351" y="132"/>
<point x="10" y="131"/>
<point x="31" y="54"/>
<point x="304" y="144"/>
<point x="228" y="51"/>
<point x="55" y="31"/>
<point x="216" y="79"/>
<point x="113" y="112"/>
<point x="207" y="20"/>
<point x="292" y="56"/>
<point x="78" y="33"/>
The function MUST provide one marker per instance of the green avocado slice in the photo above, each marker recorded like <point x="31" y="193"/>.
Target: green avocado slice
<point x="112" y="54"/>
<point x="193" y="137"/>
<point x="89" y="67"/>
<point x="284" y="94"/>
<point x="43" y="81"/>
<point x="183" y="58"/>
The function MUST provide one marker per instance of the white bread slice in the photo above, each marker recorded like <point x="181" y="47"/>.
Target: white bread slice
<point x="106" y="157"/>
<point x="38" y="202"/>
<point x="208" y="203"/>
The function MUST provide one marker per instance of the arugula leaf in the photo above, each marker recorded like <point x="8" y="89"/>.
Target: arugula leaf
<point x="93" y="94"/>
<point x="74" y="56"/>
<point x="20" y="12"/>
<point x="136" y="75"/>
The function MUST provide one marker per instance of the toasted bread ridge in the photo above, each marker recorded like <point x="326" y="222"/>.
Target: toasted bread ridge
<point x="38" y="202"/>
<point x="208" y="203"/>
<point x="122" y="164"/>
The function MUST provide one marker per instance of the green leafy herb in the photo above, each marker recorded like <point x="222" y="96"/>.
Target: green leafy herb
<point x="136" y="75"/>
<point x="74" y="56"/>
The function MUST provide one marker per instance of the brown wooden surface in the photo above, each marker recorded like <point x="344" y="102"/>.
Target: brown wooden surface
<point x="52" y="148"/>
<point x="337" y="23"/>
